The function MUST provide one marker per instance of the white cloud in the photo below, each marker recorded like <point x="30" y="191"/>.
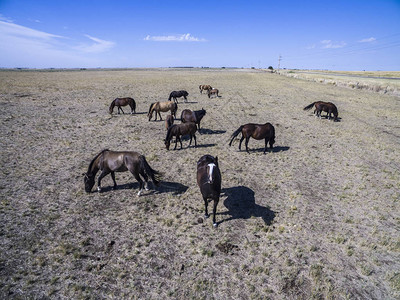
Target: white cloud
<point x="14" y="30"/>
<point x="328" y="44"/>
<point x="27" y="47"/>
<point x="368" y="40"/>
<point x="174" y="38"/>
<point x="98" y="45"/>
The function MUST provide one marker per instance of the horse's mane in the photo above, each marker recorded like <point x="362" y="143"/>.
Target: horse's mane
<point x="169" y="132"/>
<point x="151" y="105"/>
<point x="94" y="159"/>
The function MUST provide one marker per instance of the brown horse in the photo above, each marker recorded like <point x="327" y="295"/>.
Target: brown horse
<point x="204" y="87"/>
<point x="162" y="107"/>
<point x="123" y="102"/>
<point x="193" y="116"/>
<point x="169" y="121"/>
<point x="212" y="92"/>
<point x="179" y="130"/>
<point x="209" y="182"/>
<point x="321" y="106"/>
<point x="256" y="131"/>
<point x="112" y="161"/>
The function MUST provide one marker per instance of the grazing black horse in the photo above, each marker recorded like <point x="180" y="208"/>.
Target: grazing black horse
<point x="112" y="161"/>
<point x="256" y="131"/>
<point x="209" y="182"/>
<point x="321" y="106"/>
<point x="178" y="94"/>
<point x="123" y="102"/>
<point x="193" y="116"/>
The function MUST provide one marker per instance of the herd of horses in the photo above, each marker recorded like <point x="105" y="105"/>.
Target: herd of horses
<point x="208" y="173"/>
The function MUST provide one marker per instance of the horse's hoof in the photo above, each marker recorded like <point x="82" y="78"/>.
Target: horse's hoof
<point x="206" y="216"/>
<point x="215" y="225"/>
<point x="99" y="189"/>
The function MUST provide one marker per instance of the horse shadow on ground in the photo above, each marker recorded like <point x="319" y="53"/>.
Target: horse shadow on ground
<point x="188" y="102"/>
<point x="210" y="131"/>
<point x="165" y="187"/>
<point x="274" y="150"/>
<point x="241" y="204"/>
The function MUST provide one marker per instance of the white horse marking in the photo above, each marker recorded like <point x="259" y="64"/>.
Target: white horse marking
<point x="210" y="172"/>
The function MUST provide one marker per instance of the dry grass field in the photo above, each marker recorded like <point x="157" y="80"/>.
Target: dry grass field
<point x="316" y="218"/>
<point x="384" y="82"/>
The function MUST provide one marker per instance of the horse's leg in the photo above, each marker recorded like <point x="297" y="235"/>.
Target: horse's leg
<point x="266" y="142"/>
<point x="180" y="141"/>
<point x="185" y="98"/>
<point x="215" y="212"/>
<point x="113" y="178"/>
<point x="240" y="143"/>
<point x="195" y="142"/>
<point x="176" y="142"/>
<point x="159" y="115"/>
<point x="246" y="142"/>
<point x="191" y="137"/>
<point x="121" y="109"/>
<point x="146" y="179"/>
<point x="103" y="173"/>
<point x="206" y="215"/>
<point x="137" y="177"/>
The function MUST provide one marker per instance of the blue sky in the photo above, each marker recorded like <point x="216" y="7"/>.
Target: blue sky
<point x="335" y="35"/>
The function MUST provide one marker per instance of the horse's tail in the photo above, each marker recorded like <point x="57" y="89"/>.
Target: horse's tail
<point x="272" y="138"/>
<point x="170" y="96"/>
<point x="112" y="105"/>
<point x="235" y="134"/>
<point x="308" y="107"/>
<point x="154" y="175"/>
<point x="133" y="104"/>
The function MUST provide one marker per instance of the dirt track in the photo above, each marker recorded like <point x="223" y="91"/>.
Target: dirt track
<point x="318" y="217"/>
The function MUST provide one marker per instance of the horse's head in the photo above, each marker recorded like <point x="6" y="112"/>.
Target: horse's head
<point x="111" y="108"/>
<point x="89" y="182"/>
<point x="167" y="143"/>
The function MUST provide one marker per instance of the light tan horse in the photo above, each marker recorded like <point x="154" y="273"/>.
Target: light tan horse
<point x="162" y="107"/>
<point x="204" y="87"/>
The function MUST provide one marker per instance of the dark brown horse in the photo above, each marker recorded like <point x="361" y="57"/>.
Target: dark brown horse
<point x="204" y="87"/>
<point x="256" y="131"/>
<point x="162" y="107"/>
<point x="321" y="106"/>
<point x="209" y="182"/>
<point x="178" y="94"/>
<point x="123" y="102"/>
<point x="179" y="130"/>
<point x="169" y="121"/>
<point x="212" y="92"/>
<point x="193" y="116"/>
<point x="112" y="161"/>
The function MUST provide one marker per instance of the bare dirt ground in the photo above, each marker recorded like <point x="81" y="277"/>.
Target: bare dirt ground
<point x="318" y="217"/>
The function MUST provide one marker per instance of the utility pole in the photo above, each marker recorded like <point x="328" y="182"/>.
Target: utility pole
<point x="279" y="62"/>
